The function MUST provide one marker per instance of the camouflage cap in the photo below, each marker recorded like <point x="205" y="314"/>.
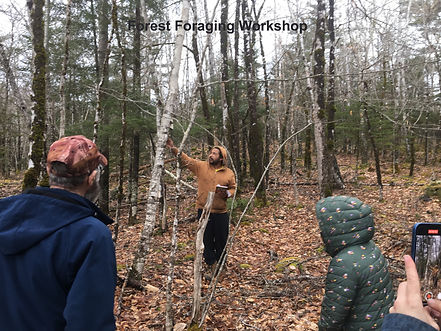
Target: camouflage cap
<point x="79" y="154"/>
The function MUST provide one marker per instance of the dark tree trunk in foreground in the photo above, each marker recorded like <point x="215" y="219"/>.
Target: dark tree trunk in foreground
<point x="307" y="162"/>
<point x="323" y="161"/>
<point x="412" y="152"/>
<point x="376" y="154"/>
<point x="123" y="118"/>
<point x="102" y="118"/>
<point x="233" y="118"/>
<point x="37" y="138"/>
<point x="255" y="141"/>
<point x="132" y="191"/>
<point x="266" y="101"/>
<point x="330" y="138"/>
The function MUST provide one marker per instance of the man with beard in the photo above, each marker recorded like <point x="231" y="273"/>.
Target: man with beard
<point x="57" y="259"/>
<point x="212" y="176"/>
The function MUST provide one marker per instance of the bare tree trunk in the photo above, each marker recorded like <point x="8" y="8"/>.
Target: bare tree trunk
<point x="197" y="283"/>
<point x="174" y="244"/>
<point x="133" y="179"/>
<point x="266" y="101"/>
<point x="285" y="124"/>
<point x="202" y="92"/>
<point x="335" y="170"/>
<point x="426" y="140"/>
<point x="12" y="81"/>
<point x="396" y="130"/>
<point x="307" y="161"/>
<point x="225" y="95"/>
<point x="244" y="160"/>
<point x="137" y="268"/>
<point x="323" y="164"/>
<point x="211" y="61"/>
<point x="132" y="191"/>
<point x="95" y="41"/>
<point x="137" y="53"/>
<point x="38" y="129"/>
<point x="123" y="118"/>
<point x="101" y="116"/>
<point x="4" y="146"/>
<point x="363" y="146"/>
<point x="151" y="81"/>
<point x="411" y="152"/>
<point x="255" y="141"/>
<point x="64" y="71"/>
<point x="294" y="172"/>
<point x="234" y="123"/>
<point x="102" y="52"/>
<point x="308" y="132"/>
<point x="18" y="158"/>
<point x="50" y="121"/>
<point x="169" y="309"/>
<point x="163" y="206"/>
<point x="376" y="154"/>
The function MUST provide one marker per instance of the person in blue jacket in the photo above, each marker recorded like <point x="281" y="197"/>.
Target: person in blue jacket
<point x="408" y="313"/>
<point x="57" y="258"/>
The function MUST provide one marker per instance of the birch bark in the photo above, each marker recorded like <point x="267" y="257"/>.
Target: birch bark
<point x="197" y="284"/>
<point x="135" y="273"/>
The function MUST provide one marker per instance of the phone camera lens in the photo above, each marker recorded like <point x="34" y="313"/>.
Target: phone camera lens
<point x="428" y="295"/>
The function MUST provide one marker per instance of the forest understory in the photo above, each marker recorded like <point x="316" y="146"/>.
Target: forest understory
<point x="276" y="268"/>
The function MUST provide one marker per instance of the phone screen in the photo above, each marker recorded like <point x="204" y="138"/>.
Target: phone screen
<point x="426" y="252"/>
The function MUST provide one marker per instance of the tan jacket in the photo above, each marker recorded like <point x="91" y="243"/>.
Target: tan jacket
<point x="208" y="177"/>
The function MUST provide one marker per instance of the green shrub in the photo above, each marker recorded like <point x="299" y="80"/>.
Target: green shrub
<point x="433" y="190"/>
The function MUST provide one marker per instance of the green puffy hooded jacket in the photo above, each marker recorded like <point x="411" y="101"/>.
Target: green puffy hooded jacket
<point x="358" y="290"/>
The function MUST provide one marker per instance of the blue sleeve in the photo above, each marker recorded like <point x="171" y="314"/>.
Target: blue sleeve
<point x="400" y="322"/>
<point x="90" y="300"/>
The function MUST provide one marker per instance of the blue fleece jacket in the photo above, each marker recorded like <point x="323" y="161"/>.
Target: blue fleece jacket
<point x="57" y="263"/>
<point x="400" y="322"/>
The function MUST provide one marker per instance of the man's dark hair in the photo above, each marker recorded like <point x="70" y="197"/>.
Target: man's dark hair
<point x="58" y="176"/>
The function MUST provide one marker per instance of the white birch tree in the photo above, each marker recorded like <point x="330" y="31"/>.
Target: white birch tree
<point x="137" y="268"/>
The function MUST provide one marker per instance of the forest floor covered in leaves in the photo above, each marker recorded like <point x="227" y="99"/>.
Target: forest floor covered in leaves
<point x="253" y="295"/>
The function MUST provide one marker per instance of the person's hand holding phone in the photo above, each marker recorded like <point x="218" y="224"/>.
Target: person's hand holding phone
<point x="409" y="300"/>
<point x="434" y="308"/>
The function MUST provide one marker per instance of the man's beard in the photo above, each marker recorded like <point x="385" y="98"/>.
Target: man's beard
<point x="94" y="191"/>
<point x="213" y="162"/>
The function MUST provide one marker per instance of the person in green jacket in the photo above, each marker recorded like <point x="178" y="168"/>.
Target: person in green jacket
<point x="358" y="291"/>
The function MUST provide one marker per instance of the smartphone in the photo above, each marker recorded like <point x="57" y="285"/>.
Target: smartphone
<point x="426" y="252"/>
